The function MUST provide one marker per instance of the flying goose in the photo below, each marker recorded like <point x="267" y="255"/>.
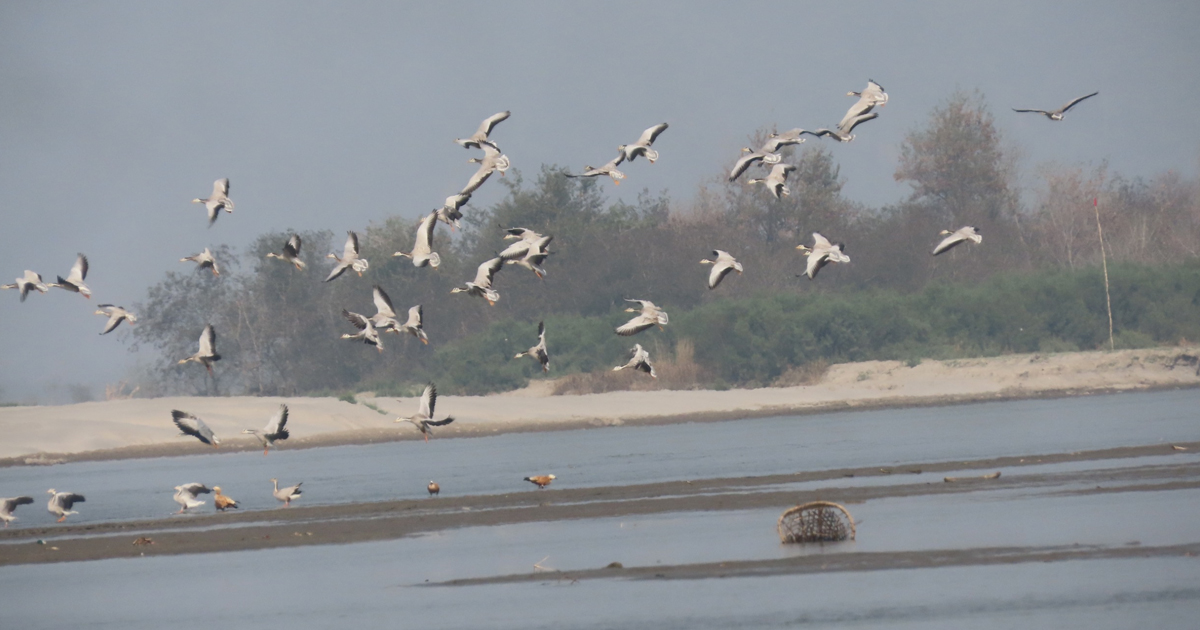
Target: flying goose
<point x="481" y="134"/>
<point x="867" y="100"/>
<point x="423" y="419"/>
<point x="222" y="502"/>
<point x="533" y="259"/>
<point x="649" y="317"/>
<point x="721" y="267"/>
<point x="204" y="259"/>
<point x="642" y="146"/>
<point x="433" y="488"/>
<point x="366" y="330"/>
<point x="526" y="240"/>
<point x="640" y="360"/>
<point x="191" y="425"/>
<point x="8" y="505"/>
<point x="288" y="494"/>
<point x="61" y="502"/>
<point x="115" y="315"/>
<point x="349" y="259"/>
<point x="609" y="169"/>
<point x="539" y="351"/>
<point x="291" y="252"/>
<point x="384" y="318"/>
<point x="74" y="280"/>
<point x="449" y="213"/>
<point x="955" y="238"/>
<point x="541" y="481"/>
<point x="207" y="354"/>
<point x="842" y="133"/>
<point x="414" y="325"/>
<point x="29" y="281"/>
<point x="1058" y="113"/>
<point x="776" y="181"/>
<point x="422" y="253"/>
<point x="218" y="200"/>
<point x="185" y="495"/>
<point x="482" y="286"/>
<point x="275" y="430"/>
<point x="493" y="161"/>
<point x="751" y="157"/>
<point x="822" y="253"/>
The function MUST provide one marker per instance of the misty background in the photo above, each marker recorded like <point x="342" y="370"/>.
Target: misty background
<point x="333" y="117"/>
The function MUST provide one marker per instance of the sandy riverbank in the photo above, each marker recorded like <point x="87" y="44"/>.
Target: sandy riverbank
<point x="143" y="428"/>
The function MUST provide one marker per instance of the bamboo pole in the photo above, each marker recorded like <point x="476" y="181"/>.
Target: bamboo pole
<point x="1104" y="263"/>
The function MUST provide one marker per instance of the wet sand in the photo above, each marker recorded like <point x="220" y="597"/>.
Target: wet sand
<point x="123" y="429"/>
<point x="337" y="524"/>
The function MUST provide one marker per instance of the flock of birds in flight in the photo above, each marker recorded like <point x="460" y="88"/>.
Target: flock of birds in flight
<point x="529" y="251"/>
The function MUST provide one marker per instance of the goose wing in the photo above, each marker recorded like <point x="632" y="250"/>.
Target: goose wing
<point x="1076" y="102"/>
<point x="276" y="428"/>
<point x="743" y="163"/>
<point x="193" y="426"/>
<point x="428" y="402"/>
<point x="208" y="341"/>
<point x="351" y="248"/>
<point x="292" y="249"/>
<point x="637" y="325"/>
<point x="220" y="187"/>
<point x="650" y="135"/>
<point x="424" y="242"/>
<point x="360" y="322"/>
<point x="194" y="489"/>
<point x="439" y="423"/>
<point x="820" y="241"/>
<point x="415" y="315"/>
<point x="1032" y="111"/>
<point x="79" y="270"/>
<point x="949" y="243"/>
<point x="487" y="271"/>
<point x="65" y="500"/>
<point x="114" y="320"/>
<point x="848" y="125"/>
<point x="720" y="268"/>
<point x="542" y="333"/>
<point x="489" y="123"/>
<point x="383" y="303"/>
<point x="481" y="175"/>
<point x="9" y="505"/>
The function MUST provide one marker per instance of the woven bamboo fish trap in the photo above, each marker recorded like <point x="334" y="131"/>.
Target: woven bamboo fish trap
<point x="819" y="521"/>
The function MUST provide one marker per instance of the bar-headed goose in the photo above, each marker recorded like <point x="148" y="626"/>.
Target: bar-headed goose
<point x="195" y="427"/>
<point x="822" y="253"/>
<point x="1058" y="113"/>
<point x="649" y="317"/>
<point x="640" y="360"/>
<point x="776" y="180"/>
<point x="526" y="240"/>
<point x="30" y="280"/>
<point x="414" y="325"/>
<point x="74" y="279"/>
<point x="186" y="494"/>
<point x="535" y="257"/>
<point x="115" y="315"/>
<point x="291" y="252"/>
<point x="609" y="169"/>
<point x="207" y="352"/>
<point x="288" y="494"/>
<point x="867" y="100"/>
<point x="349" y="260"/>
<point x="218" y="200"/>
<point x="450" y="212"/>
<point x="642" y="146"/>
<point x="384" y="318"/>
<point x="493" y="161"/>
<point x="482" y="286"/>
<point x="749" y="158"/>
<point x="204" y="260"/>
<point x="958" y="237"/>
<point x="842" y="133"/>
<point x="485" y="128"/>
<point x="275" y="430"/>
<point x="366" y="330"/>
<point x="61" y="502"/>
<point x="539" y="351"/>
<point x="422" y="253"/>
<point x="721" y="266"/>
<point x="423" y="419"/>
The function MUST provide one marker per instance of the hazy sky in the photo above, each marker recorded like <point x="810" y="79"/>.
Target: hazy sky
<point x="113" y="116"/>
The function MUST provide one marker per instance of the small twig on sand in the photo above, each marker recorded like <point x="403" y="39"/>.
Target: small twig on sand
<point x="995" y="475"/>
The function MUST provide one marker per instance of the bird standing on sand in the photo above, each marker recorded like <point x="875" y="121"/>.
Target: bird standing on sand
<point x="115" y="315"/>
<point x="185" y="495"/>
<point x="222" y="502"/>
<point x="539" y="351"/>
<point x="485" y="128"/>
<point x="642" y="146"/>
<point x="203" y="260"/>
<point x="30" y="280"/>
<point x="275" y="430"/>
<point x="721" y="267"/>
<point x="822" y="253"/>
<point x="193" y="426"/>
<point x="541" y="481"/>
<point x="640" y="361"/>
<point x="291" y="252"/>
<point x="433" y="488"/>
<point x="422" y="253"/>
<point x="958" y="237"/>
<point x="649" y="317"/>
<point x="349" y="258"/>
<point x="8" y="505"/>
<point x="1058" y="113"/>
<point x="61" y="502"/>
<point x="288" y="494"/>
<point x="207" y="352"/>
<point x="217" y="201"/>
<point x="74" y="279"/>
<point x="423" y="419"/>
